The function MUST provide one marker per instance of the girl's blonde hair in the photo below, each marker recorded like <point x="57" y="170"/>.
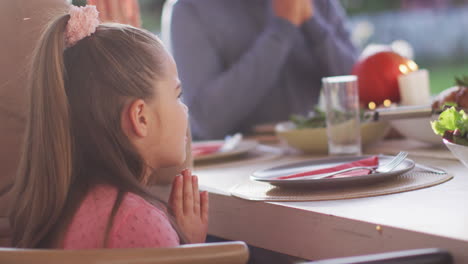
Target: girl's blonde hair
<point x="74" y="138"/>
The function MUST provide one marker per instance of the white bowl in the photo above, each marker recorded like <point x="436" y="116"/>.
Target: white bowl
<point x="417" y="128"/>
<point x="459" y="151"/>
<point x="314" y="140"/>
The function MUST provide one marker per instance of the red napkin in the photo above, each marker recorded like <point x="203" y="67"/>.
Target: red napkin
<point x="372" y="161"/>
<point x="201" y="149"/>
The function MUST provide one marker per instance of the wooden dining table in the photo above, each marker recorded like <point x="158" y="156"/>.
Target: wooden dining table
<point x="434" y="217"/>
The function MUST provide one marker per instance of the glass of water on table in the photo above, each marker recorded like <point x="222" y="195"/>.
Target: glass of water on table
<point x="342" y="115"/>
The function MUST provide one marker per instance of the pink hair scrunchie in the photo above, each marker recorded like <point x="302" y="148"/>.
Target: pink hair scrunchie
<point x="82" y="23"/>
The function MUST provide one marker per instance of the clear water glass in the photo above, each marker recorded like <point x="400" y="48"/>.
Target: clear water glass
<point x="342" y="115"/>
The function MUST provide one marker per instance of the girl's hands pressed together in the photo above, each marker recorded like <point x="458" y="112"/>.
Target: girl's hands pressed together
<point x="189" y="207"/>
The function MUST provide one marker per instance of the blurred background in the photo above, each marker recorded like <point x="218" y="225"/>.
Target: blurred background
<point x="432" y="32"/>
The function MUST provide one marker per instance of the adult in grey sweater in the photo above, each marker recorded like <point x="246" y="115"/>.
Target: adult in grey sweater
<point x="247" y="62"/>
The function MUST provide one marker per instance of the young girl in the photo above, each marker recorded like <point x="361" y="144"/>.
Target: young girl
<point x="105" y="112"/>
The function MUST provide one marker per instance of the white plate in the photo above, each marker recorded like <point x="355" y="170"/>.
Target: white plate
<point x="418" y="128"/>
<point x="243" y="148"/>
<point x="270" y="175"/>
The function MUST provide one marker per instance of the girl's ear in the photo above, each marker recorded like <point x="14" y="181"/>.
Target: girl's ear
<point x="138" y="117"/>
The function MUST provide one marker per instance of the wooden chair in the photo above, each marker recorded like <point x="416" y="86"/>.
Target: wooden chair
<point x="209" y="253"/>
<point x="415" y="256"/>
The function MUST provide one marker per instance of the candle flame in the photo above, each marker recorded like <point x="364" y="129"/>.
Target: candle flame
<point x="412" y="65"/>
<point x="371" y="105"/>
<point x="403" y="69"/>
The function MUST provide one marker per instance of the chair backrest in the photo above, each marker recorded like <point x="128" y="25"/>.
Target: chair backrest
<point x="216" y="253"/>
<point x="415" y="256"/>
<point x="21" y="22"/>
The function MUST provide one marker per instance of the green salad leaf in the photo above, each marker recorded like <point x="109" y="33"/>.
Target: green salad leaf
<point x="448" y="104"/>
<point x="317" y="118"/>
<point x="452" y="125"/>
<point x="314" y="119"/>
<point x="449" y="120"/>
<point x="462" y="81"/>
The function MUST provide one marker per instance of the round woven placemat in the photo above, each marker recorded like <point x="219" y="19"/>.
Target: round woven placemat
<point x="412" y="180"/>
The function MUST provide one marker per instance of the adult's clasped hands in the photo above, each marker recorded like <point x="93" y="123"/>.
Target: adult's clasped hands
<point x="189" y="207"/>
<point x="122" y="11"/>
<point x="295" y="11"/>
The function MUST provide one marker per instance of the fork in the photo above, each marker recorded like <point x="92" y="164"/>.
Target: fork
<point x="387" y="167"/>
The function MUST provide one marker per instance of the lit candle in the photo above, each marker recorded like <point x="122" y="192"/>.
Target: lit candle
<point x="414" y="88"/>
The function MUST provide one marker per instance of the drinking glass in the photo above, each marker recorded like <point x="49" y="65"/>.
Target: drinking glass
<point x="342" y="115"/>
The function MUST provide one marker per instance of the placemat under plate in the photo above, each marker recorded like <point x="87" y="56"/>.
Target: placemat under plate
<point x="412" y="180"/>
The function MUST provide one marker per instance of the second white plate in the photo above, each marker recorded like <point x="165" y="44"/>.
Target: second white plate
<point x="241" y="149"/>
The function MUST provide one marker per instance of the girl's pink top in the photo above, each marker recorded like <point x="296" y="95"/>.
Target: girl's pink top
<point x="137" y="223"/>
